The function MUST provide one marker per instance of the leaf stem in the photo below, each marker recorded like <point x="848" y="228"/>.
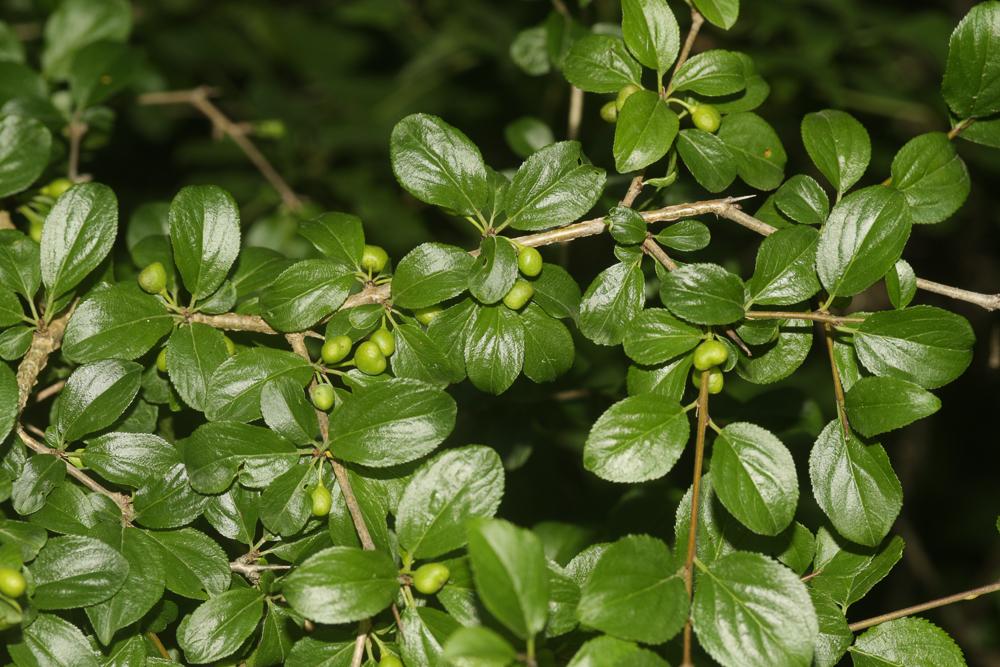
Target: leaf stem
<point x="971" y="594"/>
<point x="699" y="455"/>
<point x="838" y="387"/>
<point x="816" y="316"/>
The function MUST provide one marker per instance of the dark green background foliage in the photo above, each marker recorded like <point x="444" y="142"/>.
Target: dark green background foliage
<point x="328" y="91"/>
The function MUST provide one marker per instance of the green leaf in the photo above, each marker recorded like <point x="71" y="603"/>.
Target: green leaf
<point x="216" y="451"/>
<point x="785" y="271"/>
<point x="803" y="200"/>
<point x="605" y="651"/>
<point x="557" y="293"/>
<point x="528" y="51"/>
<point x="781" y="358"/>
<point x="495" y="270"/>
<point x="423" y="632"/>
<point x="755" y="478"/>
<point x="430" y="274"/>
<point x="834" y="634"/>
<point x="9" y="395"/>
<point x="443" y="495"/>
<point x="749" y="610"/>
<point x="636" y="439"/>
<point x="132" y="459"/>
<point x="862" y="240"/>
<point x="494" y="348"/>
<point x="305" y="293"/>
<point x="847" y="572"/>
<point x="218" y="627"/>
<point x="392" y="422"/>
<point x="712" y="73"/>
<point x="24" y="153"/>
<point x="508" y="564"/>
<point x="341" y="584"/>
<point x="760" y="156"/>
<point x="612" y="300"/>
<point x="20" y="266"/>
<point x="285" y="505"/>
<point x="10" y="308"/>
<point x="256" y="269"/>
<point x="855" y="485"/>
<point x="205" y="235"/>
<point x="923" y="344"/>
<point x="625" y="225"/>
<point x="52" y="642"/>
<point x="77" y="23"/>
<point x="74" y="571"/>
<point x="287" y="411"/>
<point x="635" y="592"/>
<point x="275" y="638"/>
<point x="194" y="352"/>
<point x="722" y="13"/>
<point x="194" y="565"/>
<point x="234" y="514"/>
<point x="168" y="501"/>
<point x="685" y="236"/>
<point x="931" y="175"/>
<point x="881" y="404"/>
<point x="38" y="476"/>
<point x="120" y="322"/>
<point x="601" y="64"/>
<point x="339" y="236"/>
<point x="901" y="284"/>
<point x="478" y="646"/>
<point x="419" y="357"/>
<point x="233" y="393"/>
<point x="971" y="84"/>
<point x="14" y="342"/>
<point x="644" y="132"/>
<point x="554" y="187"/>
<point x="439" y="165"/>
<point x="651" y="33"/>
<point x="838" y="145"/>
<point x="655" y="336"/>
<point x="95" y="395"/>
<point x="703" y="293"/>
<point x="707" y="158"/>
<point x="906" y="641"/>
<point x="27" y="538"/>
<point x="527" y="134"/>
<point x="78" y="234"/>
<point x="548" y="345"/>
<point x="100" y="70"/>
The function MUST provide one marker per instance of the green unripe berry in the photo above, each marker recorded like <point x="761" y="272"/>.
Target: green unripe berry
<point x="57" y="187"/>
<point x="625" y="93"/>
<point x="385" y="341"/>
<point x="715" y="380"/>
<point x="519" y="295"/>
<point x="706" y="117"/>
<point x="530" y="262"/>
<point x="427" y="315"/>
<point x="153" y="278"/>
<point x="321" y="396"/>
<point x="336" y="349"/>
<point x="12" y="583"/>
<point x="230" y="345"/>
<point x="161" y="360"/>
<point x="369" y="358"/>
<point x="710" y="353"/>
<point x="35" y="230"/>
<point x="609" y="112"/>
<point x="374" y="258"/>
<point x="322" y="501"/>
<point x="389" y="660"/>
<point x="75" y="461"/>
<point x="430" y="578"/>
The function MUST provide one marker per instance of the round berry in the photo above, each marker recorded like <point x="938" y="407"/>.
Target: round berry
<point x="374" y="258"/>
<point x="57" y="187"/>
<point x="430" y="578"/>
<point x="369" y="358"/>
<point x="710" y="353"/>
<point x="625" y="93"/>
<point x="427" y="315"/>
<point x="322" y="501"/>
<point x="389" y="660"/>
<point x="529" y="262"/>
<point x="336" y="349"/>
<point x="706" y="117"/>
<point x="715" y="380"/>
<point x="519" y="295"/>
<point x="35" y="230"/>
<point x="161" y="360"/>
<point x="153" y="278"/>
<point x="385" y="341"/>
<point x="609" y="112"/>
<point x="12" y="583"/>
<point x="321" y="396"/>
<point x="230" y="345"/>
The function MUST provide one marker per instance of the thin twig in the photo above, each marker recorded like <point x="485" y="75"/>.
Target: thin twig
<point x="838" y="387"/>
<point x="49" y="391"/>
<point x="814" y="316"/>
<point x="634" y="188"/>
<point x="44" y="342"/>
<point x="697" y="20"/>
<point x="75" y="131"/>
<point x="160" y="648"/>
<point x="364" y="627"/>
<point x="575" y="115"/>
<point x="250" y="569"/>
<point x="960" y="127"/>
<point x="932" y="604"/>
<point x="199" y="99"/>
<point x="699" y="455"/>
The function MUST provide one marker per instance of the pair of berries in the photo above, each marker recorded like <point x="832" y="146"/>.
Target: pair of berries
<point x="708" y="356"/>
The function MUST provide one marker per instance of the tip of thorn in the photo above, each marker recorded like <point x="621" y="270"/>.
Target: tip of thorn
<point x="733" y="199"/>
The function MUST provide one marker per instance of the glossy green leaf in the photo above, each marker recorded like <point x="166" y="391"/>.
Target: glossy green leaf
<point x="703" y="293"/>
<point x="233" y="392"/>
<point x="419" y="357"/>
<point x="478" y="646"/>
<point x="645" y="130"/>
<point x="785" y="271"/>
<point x="528" y="134"/>
<point x="838" y="145"/>
<point x="494" y="348"/>
<point x="906" y="641"/>
<point x="855" y="485"/>
<point x="168" y="501"/>
<point x="131" y="459"/>
<point x="77" y="23"/>
<point x="712" y="73"/>
<point x="341" y="584"/>
<point x="24" y="153"/>
<point x="707" y="158"/>
<point x="74" y="571"/>
<point x="880" y="404"/>
<point x="685" y="236"/>
<point x="194" y="352"/>
<point x="39" y="475"/>
<point x="651" y="33"/>
<point x="971" y="84"/>
<point x="901" y="284"/>
<point x="95" y="395"/>
<point x="216" y="451"/>
<point x="20" y="267"/>
<point x="78" y="234"/>
<point x="8" y="401"/>
<point x="803" y="200"/>
<point x="610" y="302"/>
<point x="554" y="187"/>
<point x="931" y="176"/>
<point x="722" y="13"/>
<point x="848" y="572"/>
<point x="205" y="235"/>
<point x="637" y="439"/>
<point x="601" y="64"/>
<point x="430" y="274"/>
<point x="100" y="70"/>
<point x="834" y="635"/>
<point x="339" y="236"/>
<point x="760" y="156"/>
<point x="494" y="271"/>
<point x="218" y="627"/>
<point x="51" y="641"/>
<point x="305" y="293"/>
<point x="549" y="350"/>
<point x="120" y="322"/>
<point x="194" y="565"/>
<point x="287" y="412"/>
<point x="557" y="292"/>
<point x="635" y="591"/>
<point x="655" y="336"/>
